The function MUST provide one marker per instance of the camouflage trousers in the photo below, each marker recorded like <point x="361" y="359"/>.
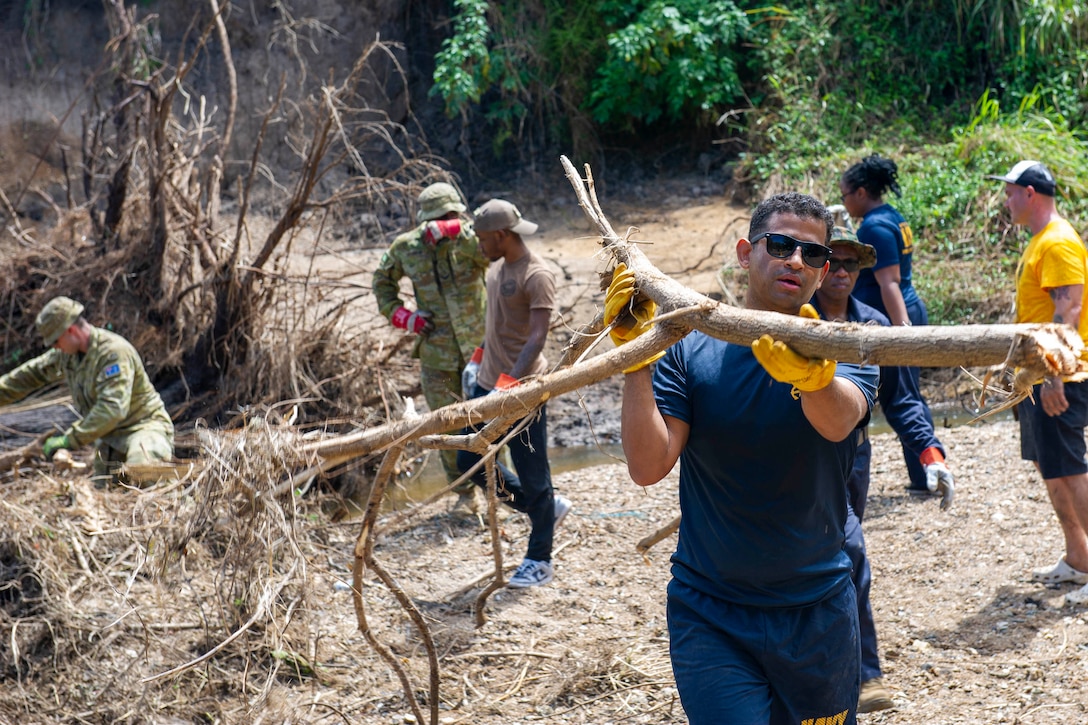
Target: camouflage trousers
<point x="441" y="388"/>
<point x="141" y="446"/>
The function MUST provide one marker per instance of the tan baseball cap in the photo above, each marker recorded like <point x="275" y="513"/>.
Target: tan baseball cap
<point x="58" y="315"/>
<point x="498" y="214"/>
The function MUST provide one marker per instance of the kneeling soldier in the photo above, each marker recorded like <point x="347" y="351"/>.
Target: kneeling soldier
<point x="120" y="408"/>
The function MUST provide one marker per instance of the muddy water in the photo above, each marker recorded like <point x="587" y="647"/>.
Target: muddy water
<point x="431" y="478"/>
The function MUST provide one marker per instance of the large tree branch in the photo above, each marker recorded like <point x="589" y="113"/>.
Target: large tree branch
<point x="1036" y="349"/>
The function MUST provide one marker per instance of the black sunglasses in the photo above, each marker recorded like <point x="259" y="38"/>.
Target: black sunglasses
<point x="850" y="265"/>
<point x="782" y="246"/>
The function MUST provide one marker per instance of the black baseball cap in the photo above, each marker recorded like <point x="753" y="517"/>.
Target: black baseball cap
<point x="1030" y="173"/>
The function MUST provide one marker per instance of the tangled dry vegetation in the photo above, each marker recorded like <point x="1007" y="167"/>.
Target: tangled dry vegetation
<point x="142" y="227"/>
<point x="209" y="600"/>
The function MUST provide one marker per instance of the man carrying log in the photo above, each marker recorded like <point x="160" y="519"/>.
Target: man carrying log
<point x="121" y="411"/>
<point x="1050" y="288"/>
<point x="763" y="618"/>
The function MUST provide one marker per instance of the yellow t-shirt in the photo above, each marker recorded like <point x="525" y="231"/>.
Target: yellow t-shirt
<point x="1055" y="257"/>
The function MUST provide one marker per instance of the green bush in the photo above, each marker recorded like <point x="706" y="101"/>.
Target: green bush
<point x="668" y="58"/>
<point x="613" y="64"/>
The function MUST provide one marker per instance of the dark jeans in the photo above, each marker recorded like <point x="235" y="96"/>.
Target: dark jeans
<point x="918" y="315"/>
<point x="857" y="490"/>
<point x="531" y="488"/>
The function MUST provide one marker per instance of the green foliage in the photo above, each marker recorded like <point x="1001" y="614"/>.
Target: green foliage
<point x="463" y="66"/>
<point x="524" y="66"/>
<point x="667" y="57"/>
<point x="1034" y="130"/>
<point x="952" y="90"/>
<point x="608" y="62"/>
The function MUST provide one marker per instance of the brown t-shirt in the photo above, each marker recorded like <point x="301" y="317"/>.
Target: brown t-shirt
<point x="512" y="291"/>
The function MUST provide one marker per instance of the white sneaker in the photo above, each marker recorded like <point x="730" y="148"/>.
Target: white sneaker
<point x="1079" y="596"/>
<point x="531" y="573"/>
<point x="562" y="508"/>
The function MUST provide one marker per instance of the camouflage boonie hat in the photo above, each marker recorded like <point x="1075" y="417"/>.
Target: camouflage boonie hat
<point x="437" y="200"/>
<point x="57" y="316"/>
<point x="866" y="252"/>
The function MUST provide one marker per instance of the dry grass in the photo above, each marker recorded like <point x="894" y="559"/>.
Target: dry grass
<point x="206" y="599"/>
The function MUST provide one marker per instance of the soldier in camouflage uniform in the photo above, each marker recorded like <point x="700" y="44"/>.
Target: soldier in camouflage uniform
<point x="442" y="259"/>
<point x="121" y="411"/>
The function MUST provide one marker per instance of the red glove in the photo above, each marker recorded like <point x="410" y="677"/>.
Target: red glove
<point x="441" y="229"/>
<point x="505" y="382"/>
<point x="418" y="322"/>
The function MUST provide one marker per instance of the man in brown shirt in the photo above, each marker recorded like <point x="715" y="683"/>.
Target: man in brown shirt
<point x="520" y="302"/>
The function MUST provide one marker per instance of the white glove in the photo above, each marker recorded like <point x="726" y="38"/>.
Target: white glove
<point x="841" y="217"/>
<point x="470" y="373"/>
<point x="939" y="478"/>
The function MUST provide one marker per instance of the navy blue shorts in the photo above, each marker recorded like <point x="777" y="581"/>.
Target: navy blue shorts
<point x="738" y="664"/>
<point x="1056" y="444"/>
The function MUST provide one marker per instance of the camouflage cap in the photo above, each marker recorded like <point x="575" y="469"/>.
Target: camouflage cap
<point x="866" y="252"/>
<point x="438" y="200"/>
<point x="57" y="316"/>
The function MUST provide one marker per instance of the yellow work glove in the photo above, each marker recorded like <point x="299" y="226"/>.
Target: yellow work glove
<point x="631" y="317"/>
<point x="786" y="366"/>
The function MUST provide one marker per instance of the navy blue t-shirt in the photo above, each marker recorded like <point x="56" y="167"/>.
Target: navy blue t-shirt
<point x="886" y="230"/>
<point x="762" y="494"/>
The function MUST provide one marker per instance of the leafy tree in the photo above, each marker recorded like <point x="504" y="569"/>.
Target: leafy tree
<point x="667" y="58"/>
<point x="604" y="62"/>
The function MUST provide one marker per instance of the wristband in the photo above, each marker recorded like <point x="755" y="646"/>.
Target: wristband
<point x="505" y="382"/>
<point x="931" y="455"/>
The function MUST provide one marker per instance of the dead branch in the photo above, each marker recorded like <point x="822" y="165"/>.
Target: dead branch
<point x="647" y="542"/>
<point x="497" y="580"/>
<point x="1032" y="346"/>
<point x="364" y="556"/>
<point x="1045" y="349"/>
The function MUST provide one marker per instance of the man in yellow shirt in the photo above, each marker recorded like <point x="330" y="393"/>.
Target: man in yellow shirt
<point x="1050" y="288"/>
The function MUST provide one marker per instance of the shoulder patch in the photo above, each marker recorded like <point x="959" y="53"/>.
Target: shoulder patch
<point x="111" y="372"/>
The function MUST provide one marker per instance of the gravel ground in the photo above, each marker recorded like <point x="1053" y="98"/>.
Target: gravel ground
<point x="965" y="637"/>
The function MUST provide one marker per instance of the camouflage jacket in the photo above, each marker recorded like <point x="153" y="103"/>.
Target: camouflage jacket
<point x="109" y="386"/>
<point x="448" y="281"/>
